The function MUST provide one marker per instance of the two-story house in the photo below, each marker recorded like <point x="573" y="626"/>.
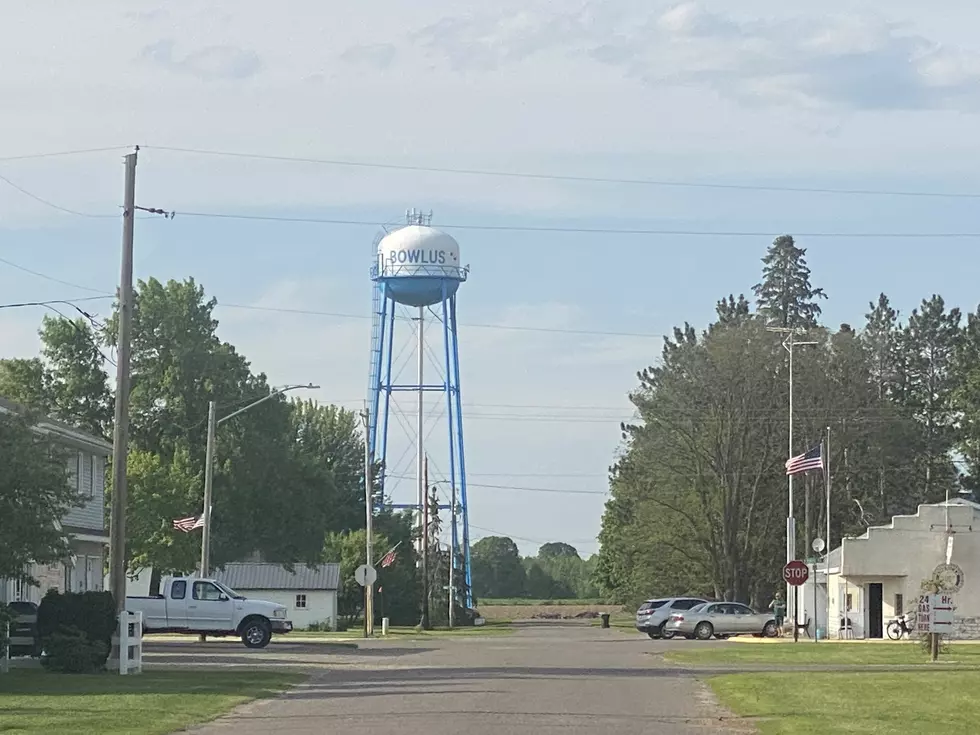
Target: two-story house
<point x="84" y="525"/>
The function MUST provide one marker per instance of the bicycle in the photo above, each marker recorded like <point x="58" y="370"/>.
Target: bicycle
<point x="900" y="626"/>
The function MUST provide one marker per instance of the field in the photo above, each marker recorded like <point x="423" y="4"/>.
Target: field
<point x="506" y="610"/>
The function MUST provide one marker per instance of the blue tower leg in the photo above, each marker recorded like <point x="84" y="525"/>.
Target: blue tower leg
<point x="450" y="411"/>
<point x="377" y="356"/>
<point x="463" y="500"/>
<point x="386" y="387"/>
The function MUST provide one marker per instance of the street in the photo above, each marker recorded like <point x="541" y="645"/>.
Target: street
<point x="542" y="679"/>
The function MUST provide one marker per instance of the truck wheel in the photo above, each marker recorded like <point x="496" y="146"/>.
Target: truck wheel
<point x="256" y="633"/>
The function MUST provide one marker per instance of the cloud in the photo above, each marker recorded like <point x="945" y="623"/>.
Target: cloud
<point x="210" y="62"/>
<point x="377" y="55"/>
<point x="844" y="62"/>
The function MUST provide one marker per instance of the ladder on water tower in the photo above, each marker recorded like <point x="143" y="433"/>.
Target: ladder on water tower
<point x="377" y="340"/>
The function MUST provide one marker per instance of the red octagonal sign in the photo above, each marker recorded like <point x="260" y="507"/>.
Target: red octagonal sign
<point x="796" y="573"/>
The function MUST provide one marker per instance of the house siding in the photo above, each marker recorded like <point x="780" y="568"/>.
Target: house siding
<point x="321" y="605"/>
<point x="90" y="483"/>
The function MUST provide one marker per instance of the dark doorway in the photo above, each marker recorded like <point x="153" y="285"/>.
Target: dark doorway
<point x="874" y="611"/>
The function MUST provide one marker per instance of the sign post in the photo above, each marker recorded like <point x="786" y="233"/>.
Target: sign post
<point x="818" y="546"/>
<point x="795" y="573"/>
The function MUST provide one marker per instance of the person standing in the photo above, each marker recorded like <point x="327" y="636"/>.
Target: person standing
<point x="778" y="607"/>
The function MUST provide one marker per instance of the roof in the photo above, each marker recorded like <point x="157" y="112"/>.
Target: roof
<point x="62" y="430"/>
<point x="262" y="576"/>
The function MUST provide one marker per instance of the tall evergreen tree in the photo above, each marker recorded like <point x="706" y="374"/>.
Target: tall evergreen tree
<point x="930" y="341"/>
<point x="785" y="297"/>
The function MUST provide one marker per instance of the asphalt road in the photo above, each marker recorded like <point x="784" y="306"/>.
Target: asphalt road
<point x="545" y="680"/>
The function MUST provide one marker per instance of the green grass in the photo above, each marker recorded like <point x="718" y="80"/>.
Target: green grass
<point x="877" y="703"/>
<point x="825" y="652"/>
<point x="154" y="702"/>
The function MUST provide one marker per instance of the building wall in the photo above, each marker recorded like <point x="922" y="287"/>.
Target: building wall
<point x="901" y="557"/>
<point x="321" y="605"/>
<point x="87" y="474"/>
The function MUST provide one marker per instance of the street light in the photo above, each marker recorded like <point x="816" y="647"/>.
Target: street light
<point x="209" y="464"/>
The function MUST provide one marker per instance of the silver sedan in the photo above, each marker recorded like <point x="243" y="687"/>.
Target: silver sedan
<point x="721" y="619"/>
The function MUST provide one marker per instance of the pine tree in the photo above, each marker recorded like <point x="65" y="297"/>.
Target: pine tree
<point x="930" y="341"/>
<point x="785" y="296"/>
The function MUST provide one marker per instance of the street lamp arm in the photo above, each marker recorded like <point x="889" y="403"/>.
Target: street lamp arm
<point x="263" y="399"/>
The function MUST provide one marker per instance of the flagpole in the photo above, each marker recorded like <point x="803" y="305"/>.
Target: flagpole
<point x="826" y="474"/>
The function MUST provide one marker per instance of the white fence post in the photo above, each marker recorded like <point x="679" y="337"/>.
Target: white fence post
<point x="130" y="642"/>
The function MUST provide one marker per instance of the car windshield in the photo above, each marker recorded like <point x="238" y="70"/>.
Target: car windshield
<point x="651" y="605"/>
<point x="229" y="591"/>
<point x="698" y="608"/>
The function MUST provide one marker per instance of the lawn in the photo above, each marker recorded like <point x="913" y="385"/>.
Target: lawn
<point x="825" y="652"/>
<point x="868" y="703"/>
<point x="34" y="701"/>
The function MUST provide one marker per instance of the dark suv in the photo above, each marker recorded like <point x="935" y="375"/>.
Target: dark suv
<point x="654" y="614"/>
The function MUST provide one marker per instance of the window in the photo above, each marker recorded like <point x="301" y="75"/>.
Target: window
<point x="300" y="601"/>
<point x="90" y="462"/>
<point x="75" y="471"/>
<point x="206" y="591"/>
<point x="651" y="605"/>
<point x="899" y="604"/>
<point x="68" y="576"/>
<point x="741" y="609"/>
<point x="178" y="589"/>
<point x="684" y="604"/>
<point x="850" y="602"/>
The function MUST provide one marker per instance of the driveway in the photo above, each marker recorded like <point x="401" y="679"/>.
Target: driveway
<point x="545" y="680"/>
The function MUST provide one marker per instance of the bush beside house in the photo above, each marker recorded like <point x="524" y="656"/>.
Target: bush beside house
<point x="76" y="630"/>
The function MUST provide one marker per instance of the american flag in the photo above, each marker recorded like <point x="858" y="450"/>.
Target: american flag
<point x="811" y="460"/>
<point x="388" y="559"/>
<point x="189" y="524"/>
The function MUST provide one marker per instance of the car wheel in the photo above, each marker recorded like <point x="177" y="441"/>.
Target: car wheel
<point x="704" y="631"/>
<point x="256" y="634"/>
<point x="655" y="634"/>
<point x="770" y="630"/>
<point x="664" y="633"/>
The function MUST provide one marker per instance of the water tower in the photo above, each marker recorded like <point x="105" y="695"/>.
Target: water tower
<point x="418" y="271"/>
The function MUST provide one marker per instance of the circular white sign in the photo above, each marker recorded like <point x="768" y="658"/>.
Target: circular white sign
<point x="365" y="575"/>
<point x="949" y="576"/>
<point x="818" y="545"/>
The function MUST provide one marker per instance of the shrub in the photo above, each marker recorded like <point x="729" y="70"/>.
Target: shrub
<point x="74" y="627"/>
<point x="70" y="651"/>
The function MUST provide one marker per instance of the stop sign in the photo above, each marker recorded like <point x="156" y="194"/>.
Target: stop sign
<point x="796" y="573"/>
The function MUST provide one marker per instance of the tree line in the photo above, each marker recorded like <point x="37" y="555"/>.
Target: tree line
<point x="557" y="572"/>
<point x="288" y="474"/>
<point x="699" y="491"/>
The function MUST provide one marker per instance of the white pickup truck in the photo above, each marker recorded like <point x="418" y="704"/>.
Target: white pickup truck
<point x="193" y="605"/>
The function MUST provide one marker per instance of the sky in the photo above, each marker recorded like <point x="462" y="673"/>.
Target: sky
<point x="709" y="121"/>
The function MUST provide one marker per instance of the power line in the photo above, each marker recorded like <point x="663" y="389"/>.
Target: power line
<point x="594" y="230"/>
<point x="567" y="177"/>
<point x="59" y="154"/>
<point x="509" y="327"/>
<point x="66" y="302"/>
<point x="46" y="277"/>
<point x="49" y="203"/>
<point x="522" y="488"/>
<point x="530" y="540"/>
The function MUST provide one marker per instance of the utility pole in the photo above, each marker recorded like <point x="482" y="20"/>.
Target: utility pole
<point x="452" y="558"/>
<point x="120" y="438"/>
<point x="369" y="526"/>
<point x="788" y="344"/>
<point x="208" y="484"/>
<point x="426" y="625"/>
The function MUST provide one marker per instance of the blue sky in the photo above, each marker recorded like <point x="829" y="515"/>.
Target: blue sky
<point x="870" y="95"/>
